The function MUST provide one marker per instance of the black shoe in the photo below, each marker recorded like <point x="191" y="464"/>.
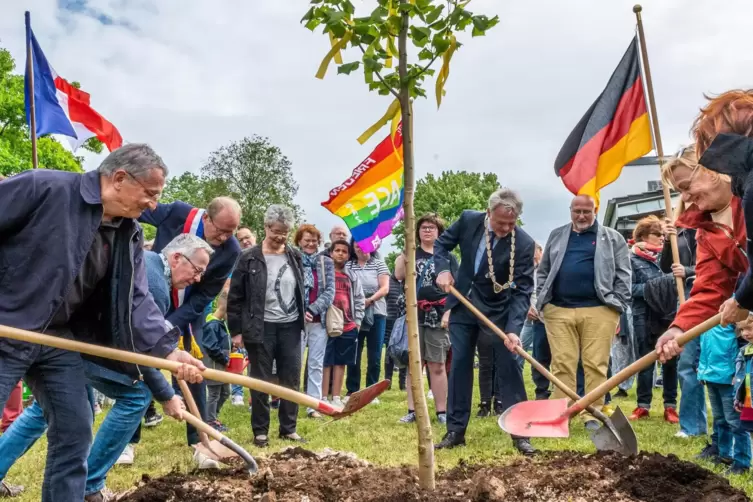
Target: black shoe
<point x="592" y="425"/>
<point x="737" y="469"/>
<point x="153" y="420"/>
<point x="709" y="452"/>
<point x="261" y="441"/>
<point x="498" y="408"/>
<point x="484" y="410"/>
<point x="720" y="461"/>
<point x="524" y="446"/>
<point x="451" y="440"/>
<point x="621" y="393"/>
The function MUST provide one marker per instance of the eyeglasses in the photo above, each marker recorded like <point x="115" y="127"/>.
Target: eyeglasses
<point x="222" y="231"/>
<point x="429" y="229"/>
<point x="582" y="212"/>
<point x="197" y="271"/>
<point x="152" y="194"/>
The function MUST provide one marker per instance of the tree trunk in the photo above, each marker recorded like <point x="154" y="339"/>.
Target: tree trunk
<point x="425" y="442"/>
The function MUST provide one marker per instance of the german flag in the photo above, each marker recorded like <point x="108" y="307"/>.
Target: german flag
<point x="613" y="132"/>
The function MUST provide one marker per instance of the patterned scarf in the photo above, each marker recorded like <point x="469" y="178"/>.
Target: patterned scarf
<point x="647" y="251"/>
<point x="309" y="262"/>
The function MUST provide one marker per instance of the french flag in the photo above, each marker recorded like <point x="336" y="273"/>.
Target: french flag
<point x="59" y="107"/>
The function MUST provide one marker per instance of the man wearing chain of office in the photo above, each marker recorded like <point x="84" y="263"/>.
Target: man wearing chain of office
<point x="496" y="274"/>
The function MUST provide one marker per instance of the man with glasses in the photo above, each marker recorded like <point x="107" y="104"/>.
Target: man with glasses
<point x="72" y="265"/>
<point x="583" y="285"/>
<point x="216" y="225"/>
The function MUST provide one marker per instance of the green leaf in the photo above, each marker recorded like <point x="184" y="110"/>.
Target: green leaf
<point x="425" y="54"/>
<point x="371" y="64"/>
<point x="440" y="43"/>
<point x="348" y="7"/>
<point x="378" y="15"/>
<point x="312" y="24"/>
<point x="434" y="14"/>
<point x="347" y="68"/>
<point x="309" y="14"/>
<point x="407" y="8"/>
<point x="480" y="25"/>
<point x="420" y="35"/>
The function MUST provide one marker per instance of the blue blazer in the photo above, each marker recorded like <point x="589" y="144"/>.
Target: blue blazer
<point x="507" y="309"/>
<point x="169" y="220"/>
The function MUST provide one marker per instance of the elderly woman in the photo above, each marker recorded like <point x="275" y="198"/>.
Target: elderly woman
<point x="374" y="277"/>
<point x="318" y="294"/>
<point x="653" y="301"/>
<point x="266" y="314"/>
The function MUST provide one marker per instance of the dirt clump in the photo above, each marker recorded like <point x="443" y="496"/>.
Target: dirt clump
<point x="298" y="475"/>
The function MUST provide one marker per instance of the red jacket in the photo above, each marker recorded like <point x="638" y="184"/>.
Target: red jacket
<point x="720" y="259"/>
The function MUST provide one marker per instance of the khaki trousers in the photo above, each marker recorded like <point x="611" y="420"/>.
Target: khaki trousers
<point x="580" y="334"/>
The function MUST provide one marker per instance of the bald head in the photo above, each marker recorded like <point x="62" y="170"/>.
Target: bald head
<point x="221" y="219"/>
<point x="582" y="212"/>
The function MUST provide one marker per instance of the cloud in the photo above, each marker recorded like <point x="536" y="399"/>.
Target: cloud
<point x="189" y="77"/>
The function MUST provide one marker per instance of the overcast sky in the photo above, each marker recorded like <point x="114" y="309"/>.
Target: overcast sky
<point x="190" y="76"/>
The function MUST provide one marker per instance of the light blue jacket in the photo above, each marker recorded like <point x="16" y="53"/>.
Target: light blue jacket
<point x="719" y="350"/>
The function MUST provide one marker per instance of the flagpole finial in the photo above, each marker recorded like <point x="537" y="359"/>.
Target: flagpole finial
<point x="637" y="8"/>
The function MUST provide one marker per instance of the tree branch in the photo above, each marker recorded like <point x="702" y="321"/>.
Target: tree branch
<point x="381" y="79"/>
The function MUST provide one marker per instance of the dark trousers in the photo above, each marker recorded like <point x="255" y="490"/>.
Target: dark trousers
<point x="199" y="393"/>
<point x="486" y="374"/>
<point x="282" y="343"/>
<point x="389" y="364"/>
<point x="373" y="339"/>
<point x="508" y="376"/>
<point x="56" y="378"/>
<point x="542" y="354"/>
<point x="646" y="344"/>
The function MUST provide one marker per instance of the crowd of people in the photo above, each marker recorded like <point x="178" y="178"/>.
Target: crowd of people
<point x="298" y="310"/>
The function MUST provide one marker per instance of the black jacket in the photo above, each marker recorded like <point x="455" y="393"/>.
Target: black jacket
<point x="248" y="290"/>
<point x="686" y="247"/>
<point x="507" y="309"/>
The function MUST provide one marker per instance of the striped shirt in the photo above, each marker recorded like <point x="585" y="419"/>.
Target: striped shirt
<point x="369" y="276"/>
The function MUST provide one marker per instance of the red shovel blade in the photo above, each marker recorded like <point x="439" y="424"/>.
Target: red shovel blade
<point x="359" y="399"/>
<point x="541" y="419"/>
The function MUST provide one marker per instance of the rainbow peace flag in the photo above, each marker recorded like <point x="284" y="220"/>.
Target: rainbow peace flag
<point x="370" y="202"/>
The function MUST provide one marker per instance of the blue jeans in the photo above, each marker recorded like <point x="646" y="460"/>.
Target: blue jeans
<point x="526" y="340"/>
<point x="56" y="378"/>
<point x="692" y="394"/>
<point x="237" y="390"/>
<point x="373" y="339"/>
<point x="131" y="402"/>
<point x="733" y="440"/>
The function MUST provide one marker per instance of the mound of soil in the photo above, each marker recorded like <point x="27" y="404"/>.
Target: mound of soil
<point x="298" y="475"/>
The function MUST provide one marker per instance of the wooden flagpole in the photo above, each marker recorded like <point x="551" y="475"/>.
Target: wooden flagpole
<point x="658" y="145"/>
<point x="30" y="76"/>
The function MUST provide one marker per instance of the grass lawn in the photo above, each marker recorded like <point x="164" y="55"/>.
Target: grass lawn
<point x="373" y="434"/>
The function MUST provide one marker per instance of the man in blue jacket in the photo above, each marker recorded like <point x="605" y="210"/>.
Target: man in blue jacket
<point x="71" y="265"/>
<point x="180" y="264"/>
<point x="496" y="273"/>
<point x="216" y="225"/>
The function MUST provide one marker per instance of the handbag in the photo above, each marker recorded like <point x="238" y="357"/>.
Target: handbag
<point x="335" y="318"/>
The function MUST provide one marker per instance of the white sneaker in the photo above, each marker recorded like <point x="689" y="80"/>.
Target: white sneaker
<point x="430" y="395"/>
<point x="682" y="435"/>
<point x="337" y="401"/>
<point x="204" y="462"/>
<point x="237" y="401"/>
<point x="375" y="401"/>
<point x="126" y="458"/>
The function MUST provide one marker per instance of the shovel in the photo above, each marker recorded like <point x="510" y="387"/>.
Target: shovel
<point x="616" y="434"/>
<point x="221" y="448"/>
<point x="551" y="418"/>
<point x="357" y="400"/>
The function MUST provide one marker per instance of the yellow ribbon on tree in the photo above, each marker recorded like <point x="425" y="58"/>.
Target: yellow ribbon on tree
<point x="334" y="52"/>
<point x="338" y="57"/>
<point x="444" y="72"/>
<point x="392" y="113"/>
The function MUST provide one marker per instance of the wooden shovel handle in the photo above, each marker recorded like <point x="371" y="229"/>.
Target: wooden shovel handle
<point x="191" y="404"/>
<point x="525" y="355"/>
<point x="201" y="426"/>
<point x="642" y="363"/>
<point x="164" y="364"/>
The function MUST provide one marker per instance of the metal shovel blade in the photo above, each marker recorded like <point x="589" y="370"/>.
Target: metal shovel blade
<point x="359" y="399"/>
<point x="541" y="419"/>
<point x="620" y="437"/>
<point x="216" y="451"/>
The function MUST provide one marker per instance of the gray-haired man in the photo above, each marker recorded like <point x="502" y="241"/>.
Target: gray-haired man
<point x="90" y="285"/>
<point x="496" y="273"/>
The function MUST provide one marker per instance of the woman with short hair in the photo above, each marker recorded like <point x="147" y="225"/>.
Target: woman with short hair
<point x="266" y="314"/>
<point x="318" y="294"/>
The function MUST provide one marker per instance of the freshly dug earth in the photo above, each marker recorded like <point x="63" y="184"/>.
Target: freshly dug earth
<point x="297" y="475"/>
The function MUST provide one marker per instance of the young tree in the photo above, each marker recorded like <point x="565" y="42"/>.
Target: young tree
<point x="431" y="26"/>
<point x="256" y="174"/>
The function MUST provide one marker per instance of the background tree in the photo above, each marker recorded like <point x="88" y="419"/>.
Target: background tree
<point x="15" y="141"/>
<point x="256" y="174"/>
<point x="431" y="26"/>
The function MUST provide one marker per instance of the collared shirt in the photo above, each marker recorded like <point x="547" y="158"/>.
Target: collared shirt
<point x="482" y="248"/>
<point x="574" y="286"/>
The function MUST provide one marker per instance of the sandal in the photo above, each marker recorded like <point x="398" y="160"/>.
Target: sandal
<point x="8" y="490"/>
<point x="261" y="441"/>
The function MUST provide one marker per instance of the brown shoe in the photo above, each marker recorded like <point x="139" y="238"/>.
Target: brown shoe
<point x="7" y="490"/>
